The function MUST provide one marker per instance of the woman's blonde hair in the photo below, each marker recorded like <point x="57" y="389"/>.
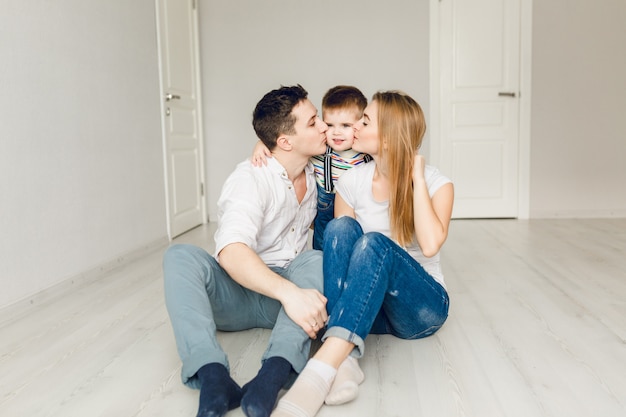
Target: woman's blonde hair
<point x="401" y="127"/>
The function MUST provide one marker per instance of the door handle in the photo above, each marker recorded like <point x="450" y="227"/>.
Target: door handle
<point x="506" y="94"/>
<point x="170" y="96"/>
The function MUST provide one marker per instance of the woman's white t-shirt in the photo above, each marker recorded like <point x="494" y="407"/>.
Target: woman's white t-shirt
<point x="355" y="188"/>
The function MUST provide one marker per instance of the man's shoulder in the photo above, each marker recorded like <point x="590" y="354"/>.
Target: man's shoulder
<point x="248" y="175"/>
<point x="246" y="170"/>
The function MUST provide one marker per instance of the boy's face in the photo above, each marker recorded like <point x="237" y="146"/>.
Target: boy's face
<point x="340" y="134"/>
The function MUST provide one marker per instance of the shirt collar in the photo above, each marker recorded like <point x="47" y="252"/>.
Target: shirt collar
<point x="276" y="167"/>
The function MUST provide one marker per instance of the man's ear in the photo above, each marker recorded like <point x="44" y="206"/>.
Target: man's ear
<point x="284" y="143"/>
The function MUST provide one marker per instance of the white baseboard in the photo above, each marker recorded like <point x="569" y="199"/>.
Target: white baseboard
<point x="577" y="214"/>
<point x="18" y="307"/>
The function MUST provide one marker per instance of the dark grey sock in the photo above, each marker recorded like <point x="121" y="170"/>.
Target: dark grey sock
<point x="218" y="392"/>
<point x="259" y="395"/>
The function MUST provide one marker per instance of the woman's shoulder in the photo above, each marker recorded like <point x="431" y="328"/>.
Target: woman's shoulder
<point x="356" y="177"/>
<point x="434" y="179"/>
<point x="360" y="170"/>
<point x="432" y="172"/>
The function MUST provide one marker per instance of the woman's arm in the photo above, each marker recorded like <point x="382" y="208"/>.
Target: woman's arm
<point x="431" y="216"/>
<point x="342" y="208"/>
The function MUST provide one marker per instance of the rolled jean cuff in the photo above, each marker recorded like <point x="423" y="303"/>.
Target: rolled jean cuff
<point x="347" y="335"/>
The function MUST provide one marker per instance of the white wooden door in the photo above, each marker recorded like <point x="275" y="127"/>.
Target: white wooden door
<point x="182" y="132"/>
<point x="479" y="57"/>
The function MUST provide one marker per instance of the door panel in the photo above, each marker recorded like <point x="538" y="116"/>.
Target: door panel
<point x="479" y="58"/>
<point x="181" y="114"/>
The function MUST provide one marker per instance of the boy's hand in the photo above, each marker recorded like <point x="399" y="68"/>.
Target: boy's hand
<point x="260" y="153"/>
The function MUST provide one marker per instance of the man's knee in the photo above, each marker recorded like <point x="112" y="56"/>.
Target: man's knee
<point x="174" y="255"/>
<point x="184" y="257"/>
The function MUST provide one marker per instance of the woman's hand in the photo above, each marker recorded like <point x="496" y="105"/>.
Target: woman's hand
<point x="431" y="215"/>
<point x="418" y="167"/>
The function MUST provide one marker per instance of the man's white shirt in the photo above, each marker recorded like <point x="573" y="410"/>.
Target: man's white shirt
<point x="258" y="207"/>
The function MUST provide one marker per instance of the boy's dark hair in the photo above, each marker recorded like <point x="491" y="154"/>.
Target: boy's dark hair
<point x="344" y="97"/>
<point x="272" y="115"/>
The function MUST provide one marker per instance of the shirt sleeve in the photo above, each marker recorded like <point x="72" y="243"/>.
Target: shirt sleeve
<point x="240" y="211"/>
<point x="345" y="186"/>
<point x="434" y="179"/>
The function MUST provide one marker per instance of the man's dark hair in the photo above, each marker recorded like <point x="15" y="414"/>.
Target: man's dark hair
<point x="272" y="115"/>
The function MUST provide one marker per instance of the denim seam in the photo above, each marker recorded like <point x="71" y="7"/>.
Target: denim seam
<point x="432" y="283"/>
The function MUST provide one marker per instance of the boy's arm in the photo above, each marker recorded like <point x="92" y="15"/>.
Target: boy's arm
<point x="260" y="153"/>
<point x="304" y="306"/>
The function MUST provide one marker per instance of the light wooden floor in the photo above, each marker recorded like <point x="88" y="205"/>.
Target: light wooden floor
<point x="537" y="327"/>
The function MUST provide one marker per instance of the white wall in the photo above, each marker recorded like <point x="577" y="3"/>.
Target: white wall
<point x="81" y="166"/>
<point x="578" y="149"/>
<point x="81" y="173"/>
<point x="578" y="131"/>
<point x="249" y="47"/>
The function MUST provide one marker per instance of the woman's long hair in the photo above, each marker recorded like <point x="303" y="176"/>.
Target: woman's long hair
<point x="401" y="127"/>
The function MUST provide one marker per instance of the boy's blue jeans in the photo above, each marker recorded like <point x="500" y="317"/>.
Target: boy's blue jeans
<point x="325" y="213"/>
<point x="201" y="298"/>
<point x="375" y="286"/>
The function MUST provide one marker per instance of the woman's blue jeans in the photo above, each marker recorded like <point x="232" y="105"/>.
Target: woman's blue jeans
<point x="375" y="286"/>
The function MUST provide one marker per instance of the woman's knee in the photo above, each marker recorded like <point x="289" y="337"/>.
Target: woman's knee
<point x="343" y="224"/>
<point x="342" y="229"/>
<point x="372" y="244"/>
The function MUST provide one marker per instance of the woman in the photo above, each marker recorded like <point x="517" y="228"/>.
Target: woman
<point x="381" y="252"/>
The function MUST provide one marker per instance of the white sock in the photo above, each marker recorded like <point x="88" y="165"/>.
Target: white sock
<point x="345" y="388"/>
<point x="307" y="394"/>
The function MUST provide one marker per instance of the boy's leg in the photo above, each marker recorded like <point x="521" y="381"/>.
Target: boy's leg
<point x="325" y="213"/>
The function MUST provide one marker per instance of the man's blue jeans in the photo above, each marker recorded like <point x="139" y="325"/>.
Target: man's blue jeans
<point x="325" y="213"/>
<point x="201" y="298"/>
<point x="375" y="286"/>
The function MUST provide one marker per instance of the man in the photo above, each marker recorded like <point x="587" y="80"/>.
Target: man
<point x="261" y="275"/>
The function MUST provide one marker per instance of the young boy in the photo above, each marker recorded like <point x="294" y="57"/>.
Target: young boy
<point x="342" y="107"/>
